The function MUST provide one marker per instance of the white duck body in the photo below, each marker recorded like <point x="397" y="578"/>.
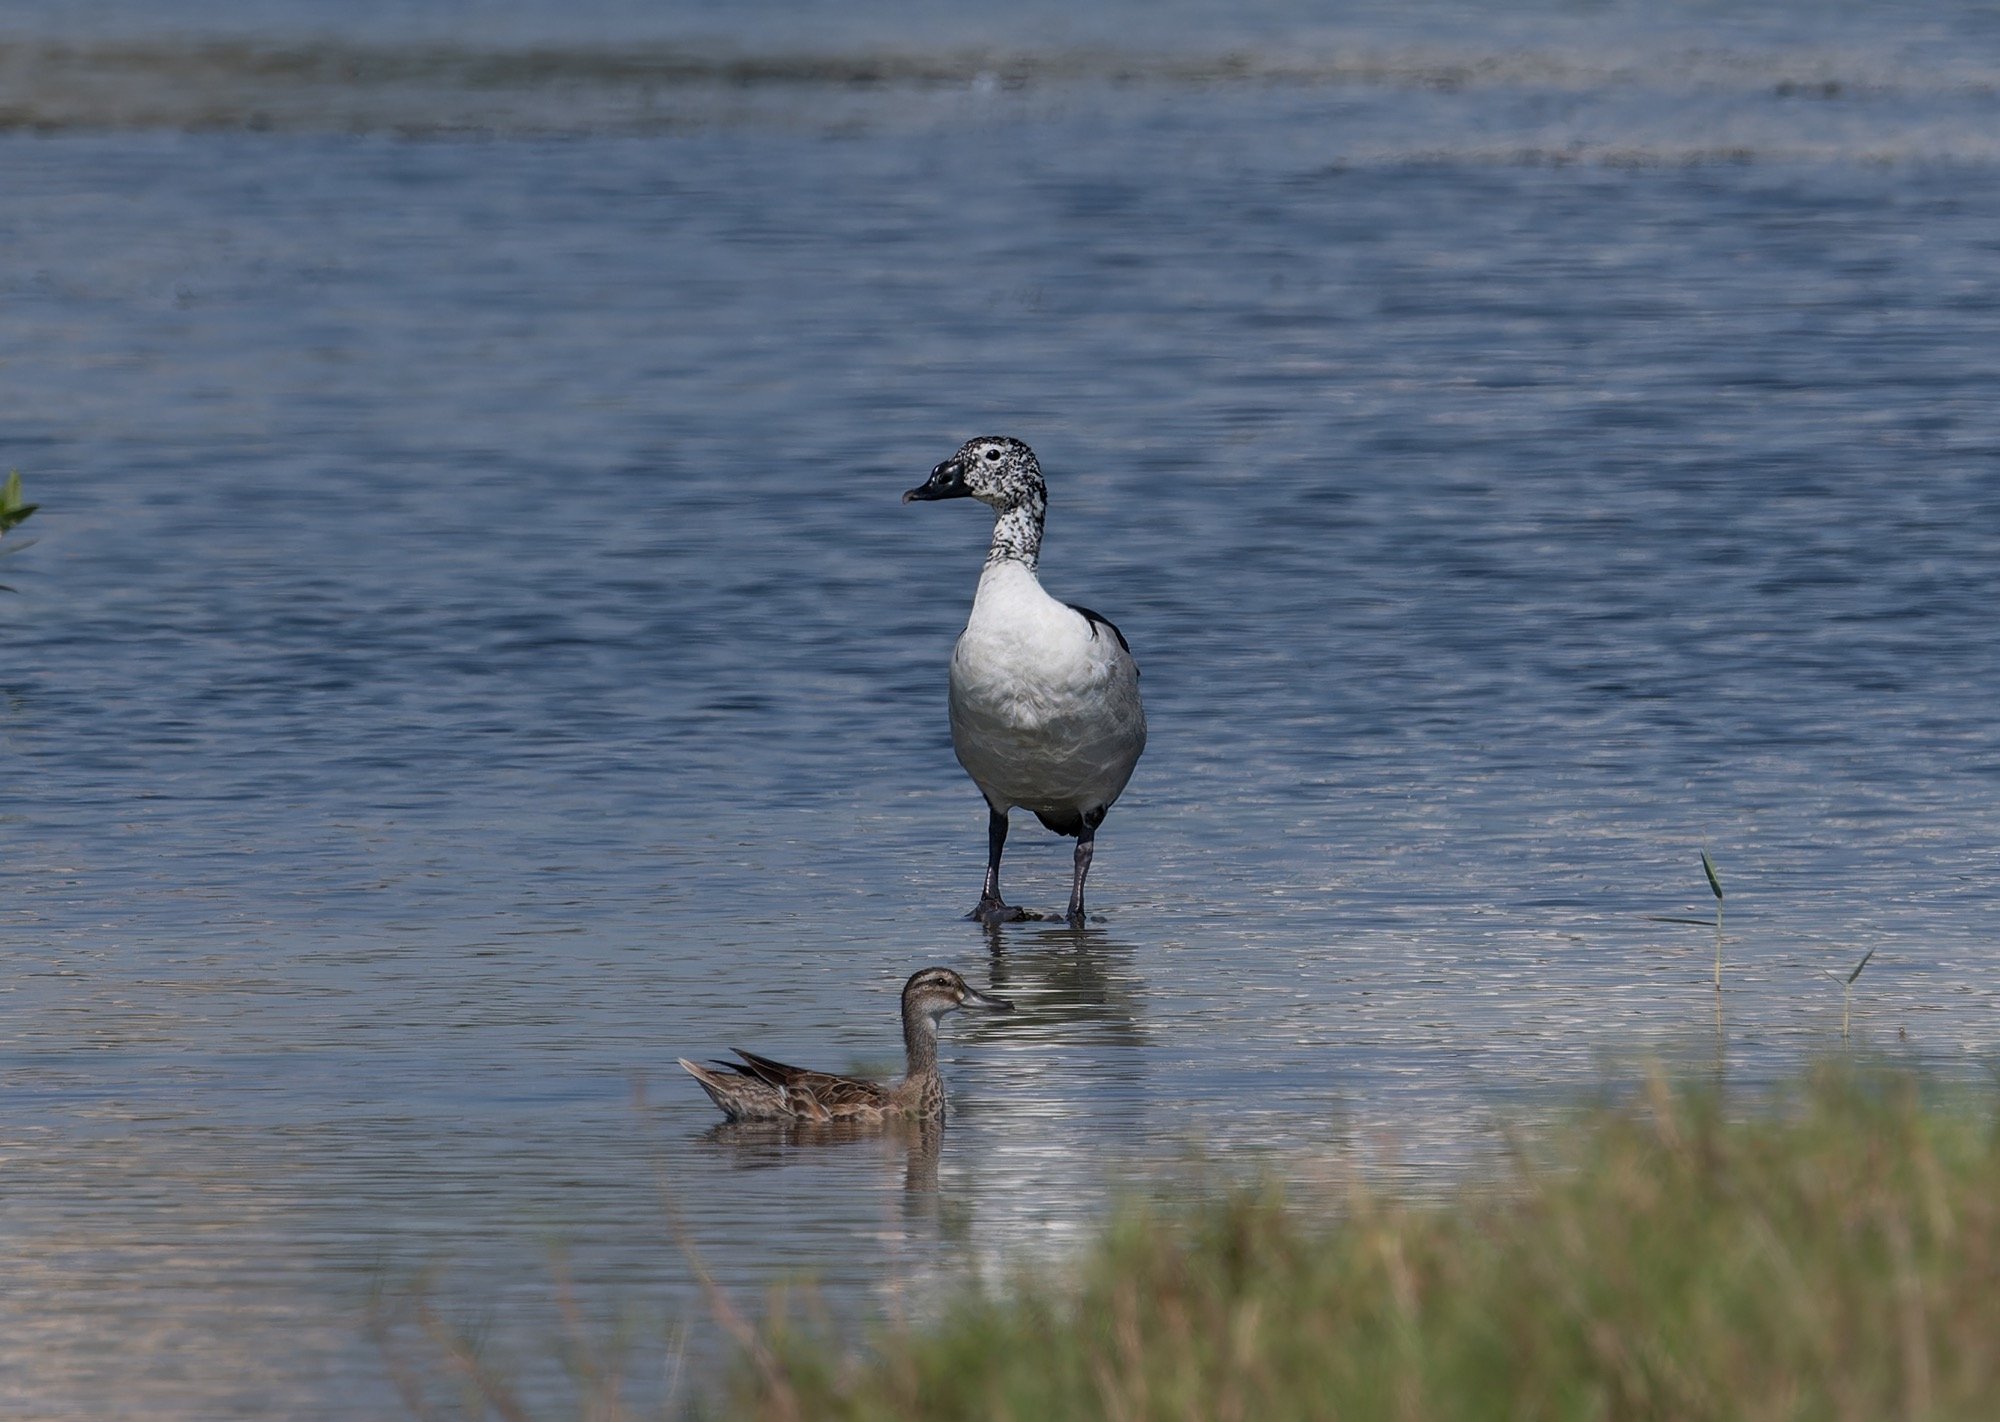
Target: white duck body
<point x="1045" y="708"/>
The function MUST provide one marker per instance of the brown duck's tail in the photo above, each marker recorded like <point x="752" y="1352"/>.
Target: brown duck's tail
<point x="711" y="1083"/>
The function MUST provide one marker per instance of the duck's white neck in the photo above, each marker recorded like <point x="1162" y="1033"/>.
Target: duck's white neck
<point x="1017" y="534"/>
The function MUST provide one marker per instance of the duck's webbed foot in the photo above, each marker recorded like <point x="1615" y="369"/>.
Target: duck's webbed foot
<point x="990" y="909"/>
<point x="993" y="911"/>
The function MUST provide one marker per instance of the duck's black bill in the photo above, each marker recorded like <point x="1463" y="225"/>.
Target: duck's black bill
<point x="947" y="481"/>
<point x="986" y="1001"/>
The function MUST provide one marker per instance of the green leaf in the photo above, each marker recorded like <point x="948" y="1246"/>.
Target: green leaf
<point x="1860" y="965"/>
<point x="1708" y="868"/>
<point x="12" y="510"/>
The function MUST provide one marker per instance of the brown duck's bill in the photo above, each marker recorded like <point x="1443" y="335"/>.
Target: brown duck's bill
<point x="947" y="481"/>
<point x="986" y="1001"/>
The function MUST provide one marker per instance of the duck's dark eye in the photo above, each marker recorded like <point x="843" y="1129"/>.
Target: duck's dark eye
<point x="992" y="456"/>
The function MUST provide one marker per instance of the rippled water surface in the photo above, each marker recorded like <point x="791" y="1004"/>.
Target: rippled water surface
<point x="474" y="653"/>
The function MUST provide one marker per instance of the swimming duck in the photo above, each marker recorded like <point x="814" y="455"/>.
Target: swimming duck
<point x="1045" y="710"/>
<point x="760" y="1089"/>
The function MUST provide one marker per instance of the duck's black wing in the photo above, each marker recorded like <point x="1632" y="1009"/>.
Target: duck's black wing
<point x="1097" y="620"/>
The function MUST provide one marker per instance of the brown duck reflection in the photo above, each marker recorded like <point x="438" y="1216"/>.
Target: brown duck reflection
<point x="916" y="1144"/>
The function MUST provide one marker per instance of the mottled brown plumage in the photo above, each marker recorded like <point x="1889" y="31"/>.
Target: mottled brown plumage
<point x="759" y="1089"/>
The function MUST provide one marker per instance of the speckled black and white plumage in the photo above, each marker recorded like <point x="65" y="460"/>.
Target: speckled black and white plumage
<point x="1045" y="706"/>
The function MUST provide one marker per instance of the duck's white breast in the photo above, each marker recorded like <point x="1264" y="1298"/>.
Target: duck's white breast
<point x="1045" y="708"/>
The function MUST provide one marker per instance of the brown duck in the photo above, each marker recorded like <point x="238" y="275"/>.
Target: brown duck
<point x="760" y="1089"/>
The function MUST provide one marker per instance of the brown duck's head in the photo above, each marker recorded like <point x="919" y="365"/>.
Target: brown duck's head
<point x="932" y="992"/>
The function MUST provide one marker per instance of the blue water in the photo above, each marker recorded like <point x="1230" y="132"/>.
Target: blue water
<point x="473" y="652"/>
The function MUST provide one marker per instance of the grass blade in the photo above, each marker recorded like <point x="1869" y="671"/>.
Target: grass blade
<point x="12" y="510"/>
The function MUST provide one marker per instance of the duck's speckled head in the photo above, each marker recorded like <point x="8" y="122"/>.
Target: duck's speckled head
<point x="932" y="992"/>
<point x="993" y="469"/>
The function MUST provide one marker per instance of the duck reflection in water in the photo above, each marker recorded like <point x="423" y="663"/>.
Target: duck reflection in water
<point x="1077" y="976"/>
<point x="762" y="1145"/>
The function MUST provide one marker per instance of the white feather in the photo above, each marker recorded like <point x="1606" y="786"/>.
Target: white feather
<point x="1045" y="709"/>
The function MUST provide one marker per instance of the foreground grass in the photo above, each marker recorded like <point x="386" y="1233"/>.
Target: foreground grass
<point x="1835" y="1258"/>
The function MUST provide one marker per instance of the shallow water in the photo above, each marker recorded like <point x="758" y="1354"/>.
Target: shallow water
<point x="474" y="653"/>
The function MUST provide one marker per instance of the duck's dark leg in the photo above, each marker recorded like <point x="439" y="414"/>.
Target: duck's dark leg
<point x="990" y="909"/>
<point x="1086" y="844"/>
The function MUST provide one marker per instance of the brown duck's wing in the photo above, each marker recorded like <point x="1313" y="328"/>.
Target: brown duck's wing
<point x="765" y="1069"/>
<point x="819" y="1095"/>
